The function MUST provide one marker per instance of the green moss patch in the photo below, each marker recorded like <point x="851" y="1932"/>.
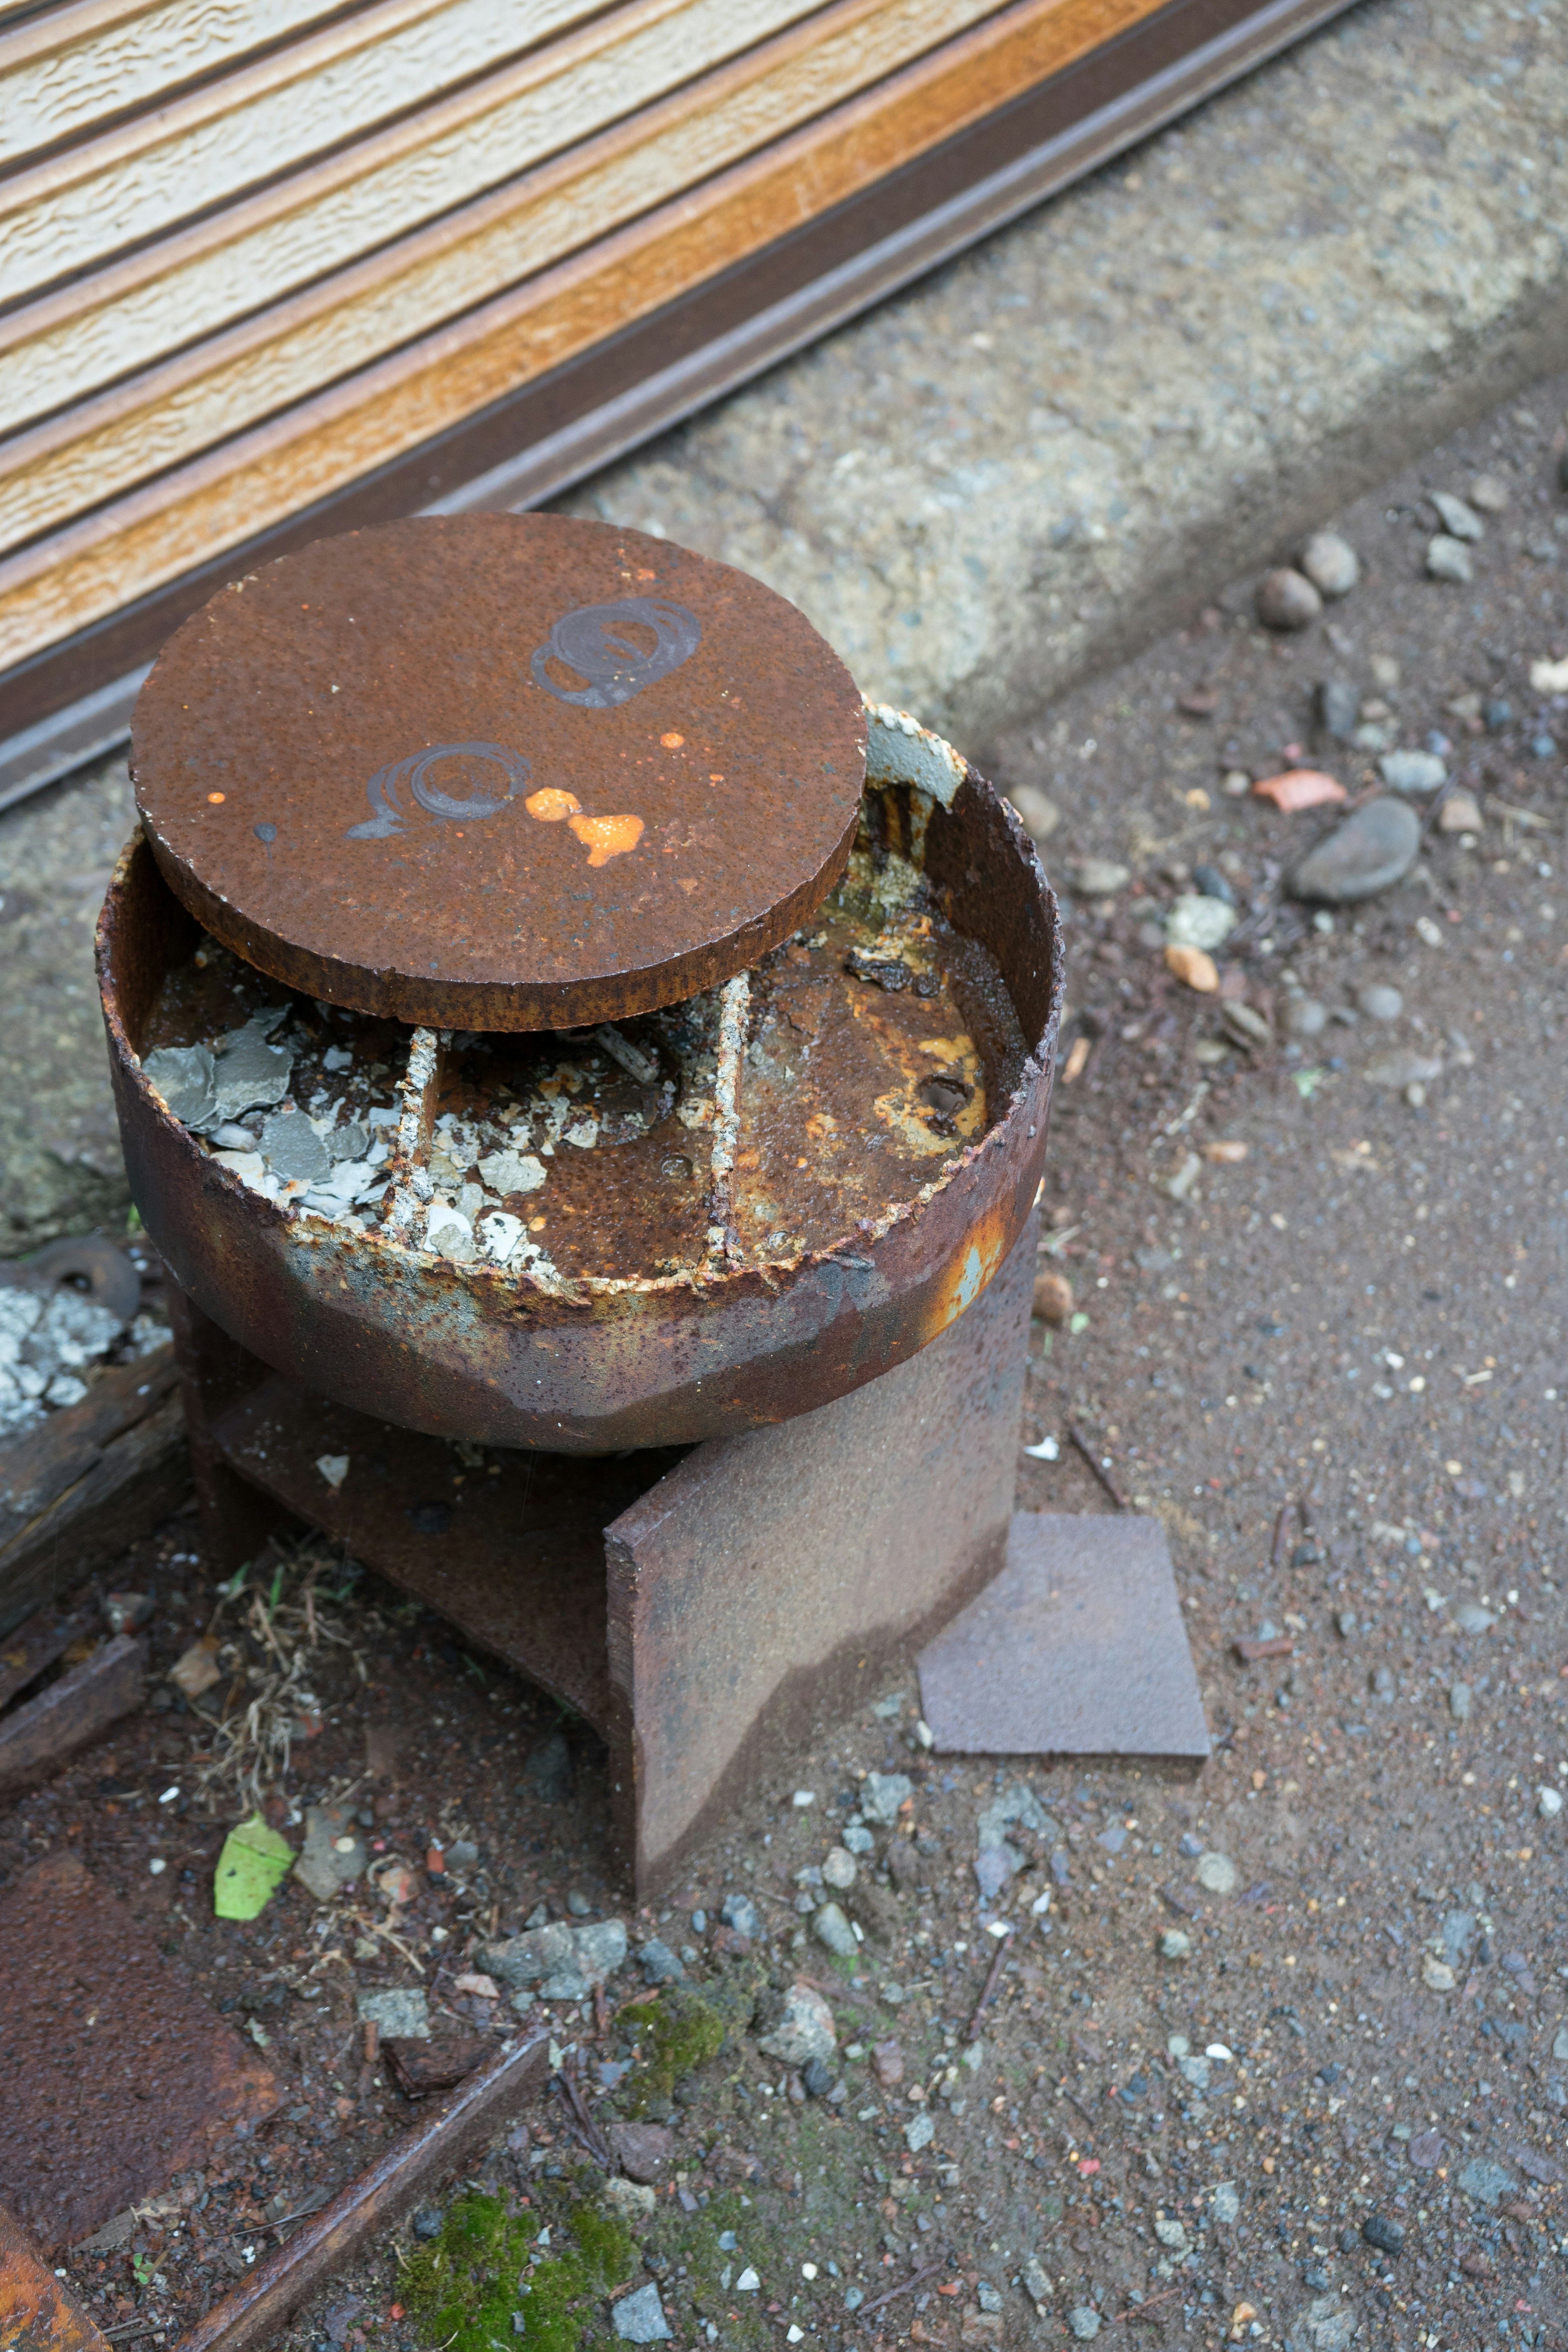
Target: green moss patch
<point x="464" y="2287"/>
<point x="676" y="2034"/>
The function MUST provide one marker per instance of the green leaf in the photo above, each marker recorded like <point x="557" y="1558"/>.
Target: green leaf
<point x="1306" y="1082"/>
<point x="1077" y="1323"/>
<point x="252" y="1866"/>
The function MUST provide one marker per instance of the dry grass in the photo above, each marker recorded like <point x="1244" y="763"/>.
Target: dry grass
<point x="273" y="1626"/>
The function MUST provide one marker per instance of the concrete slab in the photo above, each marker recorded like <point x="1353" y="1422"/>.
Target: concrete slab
<point x="1076" y="1648"/>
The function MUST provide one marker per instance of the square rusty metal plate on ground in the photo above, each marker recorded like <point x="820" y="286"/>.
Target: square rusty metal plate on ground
<point x="1076" y="1648"/>
<point x="116" y="2073"/>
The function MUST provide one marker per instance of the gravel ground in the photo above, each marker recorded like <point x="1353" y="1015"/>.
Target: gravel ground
<point x="1333" y="2109"/>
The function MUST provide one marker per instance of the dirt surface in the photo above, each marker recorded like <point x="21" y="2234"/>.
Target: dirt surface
<point x="1334" y="1368"/>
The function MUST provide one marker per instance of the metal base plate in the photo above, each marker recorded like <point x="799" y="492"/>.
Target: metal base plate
<point x="1077" y="1649"/>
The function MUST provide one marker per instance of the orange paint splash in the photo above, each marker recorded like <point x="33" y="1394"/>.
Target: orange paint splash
<point x="608" y="836"/>
<point x="550" y="806"/>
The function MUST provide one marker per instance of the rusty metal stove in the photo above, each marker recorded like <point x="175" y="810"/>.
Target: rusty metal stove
<point x="666" y="1332"/>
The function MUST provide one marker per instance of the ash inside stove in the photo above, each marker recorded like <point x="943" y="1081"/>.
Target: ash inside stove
<point x="750" y="1125"/>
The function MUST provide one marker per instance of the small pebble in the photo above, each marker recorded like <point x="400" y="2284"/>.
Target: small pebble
<point x="1460" y="812"/>
<point x="1459" y="1702"/>
<point x="1196" y="921"/>
<point x="1098" y="877"/>
<point x="1548" y="1802"/>
<point x="1496" y="714"/>
<point x="1413" y="771"/>
<point x="1053" y="1298"/>
<point x="1174" y="1945"/>
<point x="738" y="1911"/>
<point x="1402" y="1070"/>
<point x="1379" y="1002"/>
<point x="1194" y="969"/>
<point x="1330" y="563"/>
<point x="1040" y="814"/>
<point x="1084" y="2323"/>
<point x="1305" y="1017"/>
<point x="1216" y="1872"/>
<point x="1381" y="1683"/>
<point x="1246" y="1026"/>
<point x="1490" y="493"/>
<point x="1339" y="708"/>
<point x="831" y="1927"/>
<point x="1369" y="852"/>
<point x="1380" y="2232"/>
<point x="1288" y="600"/>
<point x="1457" y="520"/>
<point x="1448" y="559"/>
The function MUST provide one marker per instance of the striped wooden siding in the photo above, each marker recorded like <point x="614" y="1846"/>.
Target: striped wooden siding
<point x="253" y="252"/>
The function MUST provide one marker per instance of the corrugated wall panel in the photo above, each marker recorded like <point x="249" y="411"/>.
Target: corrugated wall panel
<point x="256" y="261"/>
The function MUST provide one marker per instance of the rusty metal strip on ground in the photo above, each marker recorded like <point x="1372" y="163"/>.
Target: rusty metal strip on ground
<point x="437" y="2145"/>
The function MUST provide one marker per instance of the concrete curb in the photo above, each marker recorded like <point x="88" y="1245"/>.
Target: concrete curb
<point x="1058" y="445"/>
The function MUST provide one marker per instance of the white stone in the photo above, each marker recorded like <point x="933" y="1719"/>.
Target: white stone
<point x="500" y="1234"/>
<point x="449" y="1231"/>
<point x="1195" y="921"/>
<point x="512" y="1171"/>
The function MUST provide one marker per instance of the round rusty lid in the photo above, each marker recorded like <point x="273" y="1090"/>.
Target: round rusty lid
<point x="500" y="772"/>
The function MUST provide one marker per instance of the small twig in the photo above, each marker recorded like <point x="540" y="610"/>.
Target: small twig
<point x="1429" y="823"/>
<point x="838" y="1992"/>
<point x="1142" y="2310"/>
<point x="583" y="2122"/>
<point x="371" y="2031"/>
<point x="1280" y="1527"/>
<point x="930" y="2271"/>
<point x="989" y="1987"/>
<point x="387" y="1937"/>
<point x="601" y="2014"/>
<point x="1095" y="1463"/>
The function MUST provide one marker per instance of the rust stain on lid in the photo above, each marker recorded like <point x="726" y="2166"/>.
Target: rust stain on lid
<point x="500" y="772"/>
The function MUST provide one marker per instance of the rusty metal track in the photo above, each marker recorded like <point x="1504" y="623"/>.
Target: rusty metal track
<point x="438" y="2144"/>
